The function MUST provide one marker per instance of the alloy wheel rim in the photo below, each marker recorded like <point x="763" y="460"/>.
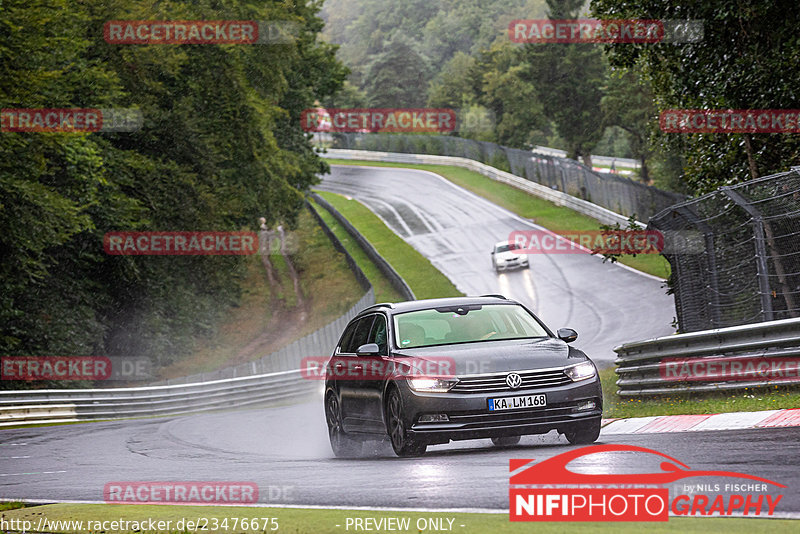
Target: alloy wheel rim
<point x="396" y="421"/>
<point x="334" y="424"/>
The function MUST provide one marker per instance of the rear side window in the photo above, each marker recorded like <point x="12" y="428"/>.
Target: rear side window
<point x="347" y="336"/>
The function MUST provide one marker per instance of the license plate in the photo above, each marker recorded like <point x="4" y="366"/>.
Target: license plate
<point x="513" y="403"/>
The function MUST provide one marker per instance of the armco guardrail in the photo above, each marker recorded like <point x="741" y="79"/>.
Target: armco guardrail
<point x="609" y="190"/>
<point x="388" y="271"/>
<point x="559" y="198"/>
<point x="738" y="357"/>
<point x="69" y="405"/>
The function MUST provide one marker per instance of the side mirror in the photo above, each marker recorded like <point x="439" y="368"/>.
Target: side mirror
<point x="368" y="349"/>
<point x="492" y="252"/>
<point x="567" y="334"/>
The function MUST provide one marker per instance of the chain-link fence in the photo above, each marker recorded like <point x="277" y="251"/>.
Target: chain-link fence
<point x="749" y="269"/>
<point x="616" y="193"/>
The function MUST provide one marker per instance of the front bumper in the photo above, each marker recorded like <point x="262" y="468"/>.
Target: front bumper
<point x="470" y="418"/>
<point x="511" y="264"/>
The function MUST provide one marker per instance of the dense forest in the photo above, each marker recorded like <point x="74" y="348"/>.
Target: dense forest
<point x="583" y="98"/>
<point x="220" y="146"/>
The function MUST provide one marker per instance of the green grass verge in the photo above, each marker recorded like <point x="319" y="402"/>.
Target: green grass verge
<point x="751" y="400"/>
<point x="556" y="218"/>
<point x="384" y="290"/>
<point x="424" y="279"/>
<point x="297" y="520"/>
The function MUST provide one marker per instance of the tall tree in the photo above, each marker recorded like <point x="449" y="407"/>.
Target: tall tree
<point x="628" y="103"/>
<point x="397" y="77"/>
<point x="568" y="78"/>
<point x="747" y="59"/>
<point x="507" y="89"/>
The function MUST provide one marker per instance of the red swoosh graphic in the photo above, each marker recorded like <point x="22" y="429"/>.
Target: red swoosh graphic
<point x="554" y="470"/>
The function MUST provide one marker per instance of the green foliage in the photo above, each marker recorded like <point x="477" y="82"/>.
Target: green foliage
<point x="568" y="79"/>
<point x="221" y="145"/>
<point x="747" y="59"/>
<point x="395" y="75"/>
<point x="628" y="104"/>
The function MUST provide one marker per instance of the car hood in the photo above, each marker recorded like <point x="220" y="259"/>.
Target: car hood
<point x="497" y="356"/>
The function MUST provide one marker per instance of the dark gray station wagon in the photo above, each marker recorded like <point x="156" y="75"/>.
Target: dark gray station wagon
<point x="430" y="371"/>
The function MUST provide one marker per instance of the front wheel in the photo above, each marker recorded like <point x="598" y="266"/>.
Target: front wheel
<point x="343" y="446"/>
<point x="583" y="433"/>
<point x="402" y="443"/>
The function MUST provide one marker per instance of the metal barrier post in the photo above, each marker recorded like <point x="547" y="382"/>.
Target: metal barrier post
<point x="761" y="250"/>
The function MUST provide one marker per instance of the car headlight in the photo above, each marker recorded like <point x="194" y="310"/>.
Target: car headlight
<point x="433" y="385"/>
<point x="582" y="371"/>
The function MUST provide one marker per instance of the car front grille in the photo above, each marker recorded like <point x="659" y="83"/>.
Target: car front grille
<point x="497" y="382"/>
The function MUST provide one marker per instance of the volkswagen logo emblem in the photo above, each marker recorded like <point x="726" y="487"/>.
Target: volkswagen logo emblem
<point x="513" y="380"/>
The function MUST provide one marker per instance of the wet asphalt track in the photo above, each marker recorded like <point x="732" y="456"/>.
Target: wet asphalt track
<point x="285" y="450"/>
<point x="607" y="304"/>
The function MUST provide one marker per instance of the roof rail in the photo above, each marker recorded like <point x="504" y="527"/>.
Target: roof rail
<point x="498" y="296"/>
<point x="379" y="305"/>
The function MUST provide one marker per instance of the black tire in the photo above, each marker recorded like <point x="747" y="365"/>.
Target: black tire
<point x="342" y="445"/>
<point x="506" y="441"/>
<point x="583" y="433"/>
<point x="402" y="443"/>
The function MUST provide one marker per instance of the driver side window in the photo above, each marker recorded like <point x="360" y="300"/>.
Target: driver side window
<point x="378" y="335"/>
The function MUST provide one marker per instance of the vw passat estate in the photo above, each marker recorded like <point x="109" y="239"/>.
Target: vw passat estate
<point x="425" y="372"/>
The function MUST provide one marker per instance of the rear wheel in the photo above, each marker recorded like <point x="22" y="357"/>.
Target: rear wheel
<point x="506" y="441"/>
<point x="583" y="433"/>
<point x="343" y="446"/>
<point x="402" y="443"/>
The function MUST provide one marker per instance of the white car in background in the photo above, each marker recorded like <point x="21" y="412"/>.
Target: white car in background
<point x="505" y="256"/>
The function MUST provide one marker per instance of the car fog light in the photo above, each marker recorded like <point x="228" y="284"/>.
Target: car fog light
<point x="588" y="405"/>
<point x="434" y="418"/>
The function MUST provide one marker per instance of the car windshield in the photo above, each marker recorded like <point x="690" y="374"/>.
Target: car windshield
<point x="464" y="324"/>
<point x="506" y="247"/>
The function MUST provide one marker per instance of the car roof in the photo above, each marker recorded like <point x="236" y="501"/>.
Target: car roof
<point x="500" y="243"/>
<point x="426" y="304"/>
